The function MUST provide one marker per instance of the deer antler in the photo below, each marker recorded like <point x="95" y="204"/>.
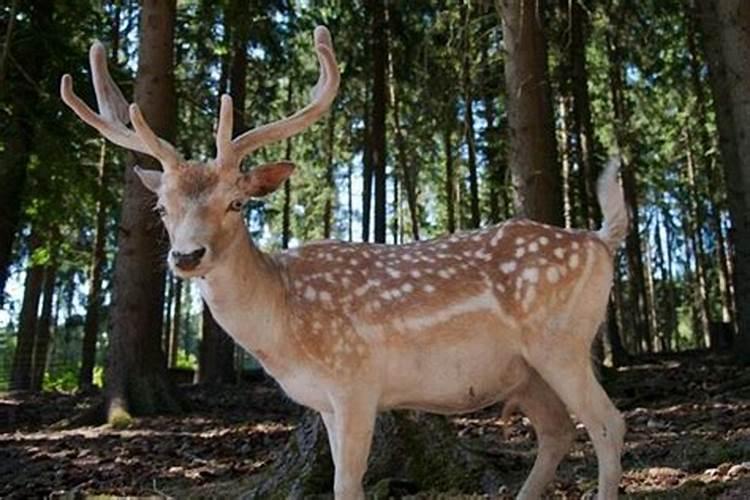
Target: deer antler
<point x="113" y="116"/>
<point x="231" y="151"/>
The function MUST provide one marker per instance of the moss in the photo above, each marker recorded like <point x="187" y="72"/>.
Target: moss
<point x="119" y="418"/>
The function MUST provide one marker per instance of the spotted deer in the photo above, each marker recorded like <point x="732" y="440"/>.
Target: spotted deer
<point x="449" y="325"/>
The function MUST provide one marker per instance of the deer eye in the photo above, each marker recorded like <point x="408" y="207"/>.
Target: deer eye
<point x="161" y="210"/>
<point x="235" y="206"/>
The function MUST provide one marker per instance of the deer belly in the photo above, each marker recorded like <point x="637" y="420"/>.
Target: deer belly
<point x="457" y="378"/>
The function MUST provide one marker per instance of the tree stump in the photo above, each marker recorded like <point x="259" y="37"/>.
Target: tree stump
<point x="411" y="452"/>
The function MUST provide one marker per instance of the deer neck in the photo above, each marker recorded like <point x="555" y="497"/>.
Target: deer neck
<point x="246" y="296"/>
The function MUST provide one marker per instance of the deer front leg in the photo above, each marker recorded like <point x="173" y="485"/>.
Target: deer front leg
<point x="353" y="424"/>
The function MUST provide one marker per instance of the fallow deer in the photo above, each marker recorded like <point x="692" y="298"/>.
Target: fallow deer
<point x="449" y="325"/>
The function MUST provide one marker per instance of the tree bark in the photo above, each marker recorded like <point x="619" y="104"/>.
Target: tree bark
<point x="379" y="56"/>
<point x="727" y="47"/>
<point x="533" y="152"/>
<point x="367" y="162"/>
<point x="450" y="183"/>
<point x="44" y="328"/>
<point x="330" y="188"/>
<point x="94" y="299"/>
<point x="137" y="381"/>
<point x="20" y="377"/>
<point x="471" y="161"/>
<point x="176" y="324"/>
<point x="216" y="360"/>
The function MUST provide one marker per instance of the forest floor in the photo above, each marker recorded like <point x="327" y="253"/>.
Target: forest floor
<point x="688" y="437"/>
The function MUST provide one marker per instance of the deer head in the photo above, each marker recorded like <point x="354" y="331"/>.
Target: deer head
<point x="200" y="202"/>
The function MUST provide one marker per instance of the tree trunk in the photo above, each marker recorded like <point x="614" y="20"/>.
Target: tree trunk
<point x="409" y="169"/>
<point x="137" y="380"/>
<point x="583" y="128"/>
<point x="450" y="183"/>
<point x="379" y="49"/>
<point x="727" y="47"/>
<point x="18" y="134"/>
<point x="20" y="377"/>
<point x="533" y="152"/>
<point x="216" y="360"/>
<point x="94" y="299"/>
<point x="330" y="188"/>
<point x="629" y="184"/>
<point x="476" y="216"/>
<point x="44" y="329"/>
<point x="176" y="324"/>
<point x="412" y="452"/>
<point x="367" y="160"/>
<point x="286" y="222"/>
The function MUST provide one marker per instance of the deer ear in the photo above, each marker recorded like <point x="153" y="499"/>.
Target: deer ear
<point x="266" y="178"/>
<point x="150" y="178"/>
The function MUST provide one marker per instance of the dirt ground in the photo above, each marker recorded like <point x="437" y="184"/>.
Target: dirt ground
<point x="688" y="437"/>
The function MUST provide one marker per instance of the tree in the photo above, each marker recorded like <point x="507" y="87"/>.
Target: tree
<point x="533" y="150"/>
<point x="136" y="375"/>
<point x="20" y="130"/>
<point x="379" y="47"/>
<point x="727" y="47"/>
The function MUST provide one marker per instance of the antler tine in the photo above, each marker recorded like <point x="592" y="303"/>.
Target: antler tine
<point x="323" y="95"/>
<point x="113" y="112"/>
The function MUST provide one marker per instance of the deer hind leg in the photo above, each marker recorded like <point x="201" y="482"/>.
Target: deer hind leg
<point x="554" y="432"/>
<point x="569" y="373"/>
<point x="353" y="424"/>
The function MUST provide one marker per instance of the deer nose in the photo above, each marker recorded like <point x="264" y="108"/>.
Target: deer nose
<point x="188" y="261"/>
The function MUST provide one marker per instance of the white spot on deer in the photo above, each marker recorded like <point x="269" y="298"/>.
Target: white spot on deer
<point x="558" y="236"/>
<point x="476" y="237"/>
<point x="543" y="240"/>
<point x="396" y="293"/>
<point x="500" y="287"/>
<point x="496" y="239"/>
<point x="393" y="273"/>
<point x="520" y="241"/>
<point x="353" y="262"/>
<point x="386" y="295"/>
<point x="310" y="293"/>
<point x="407" y="287"/>
<point x="444" y="274"/>
<point x="379" y="265"/>
<point x="415" y="274"/>
<point x="345" y="282"/>
<point x="428" y="288"/>
<point x="553" y="275"/>
<point x="482" y="255"/>
<point x="575" y="245"/>
<point x="443" y="246"/>
<point x="559" y="252"/>
<point x="573" y="261"/>
<point x="325" y="296"/>
<point x="509" y="266"/>
<point x="531" y="274"/>
<point x="519" y="252"/>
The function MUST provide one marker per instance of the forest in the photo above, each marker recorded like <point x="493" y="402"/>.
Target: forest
<point x="451" y="116"/>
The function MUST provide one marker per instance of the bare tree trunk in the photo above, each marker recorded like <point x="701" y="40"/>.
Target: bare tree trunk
<point x="476" y="216"/>
<point x="20" y="377"/>
<point x="330" y="183"/>
<point x="367" y="162"/>
<point x="727" y="46"/>
<point x="583" y="128"/>
<point x="533" y="153"/>
<point x="94" y="299"/>
<point x="44" y="328"/>
<point x="216" y="360"/>
<point x="176" y="325"/>
<point x="137" y="380"/>
<point x="379" y="48"/>
<point x="409" y="169"/>
<point x="450" y="183"/>
<point x="286" y="224"/>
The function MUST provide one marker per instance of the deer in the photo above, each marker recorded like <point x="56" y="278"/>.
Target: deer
<point x="449" y="325"/>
